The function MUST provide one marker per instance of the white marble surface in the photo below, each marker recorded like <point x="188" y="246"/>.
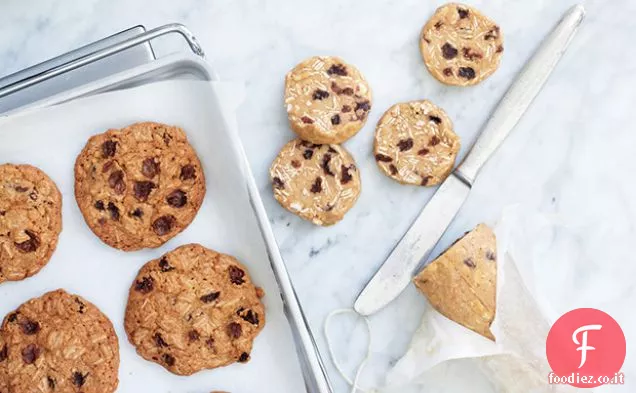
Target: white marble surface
<point x="572" y="155"/>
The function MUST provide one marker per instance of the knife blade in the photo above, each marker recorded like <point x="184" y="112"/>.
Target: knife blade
<point x="396" y="272"/>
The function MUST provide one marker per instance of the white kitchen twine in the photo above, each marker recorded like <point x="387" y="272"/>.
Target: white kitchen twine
<point x="354" y="384"/>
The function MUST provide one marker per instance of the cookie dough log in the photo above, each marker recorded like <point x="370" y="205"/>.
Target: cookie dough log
<point x="461" y="46"/>
<point x="30" y="221"/>
<point x="140" y="186"/>
<point x="461" y="283"/>
<point x="327" y="100"/>
<point x="415" y="143"/>
<point x="319" y="183"/>
<point x="59" y="343"/>
<point x="194" y="309"/>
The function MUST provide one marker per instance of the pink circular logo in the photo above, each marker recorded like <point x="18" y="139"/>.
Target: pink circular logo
<point x="585" y="348"/>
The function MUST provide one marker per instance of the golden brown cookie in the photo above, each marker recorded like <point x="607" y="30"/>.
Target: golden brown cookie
<point x="462" y="282"/>
<point x="59" y="343"/>
<point x="30" y="220"/>
<point x="319" y="183"/>
<point x="194" y="309"/>
<point x="327" y="100"/>
<point x="4" y="354"/>
<point x="415" y="143"/>
<point x="140" y="186"/>
<point x="460" y="46"/>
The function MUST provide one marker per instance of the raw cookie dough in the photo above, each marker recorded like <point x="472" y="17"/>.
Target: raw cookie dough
<point x="415" y="143"/>
<point x="319" y="183"/>
<point x="460" y="46"/>
<point x="140" y="186"/>
<point x="194" y="309"/>
<point x="461" y="283"/>
<point x="59" y="343"/>
<point x="30" y="220"/>
<point x="327" y="100"/>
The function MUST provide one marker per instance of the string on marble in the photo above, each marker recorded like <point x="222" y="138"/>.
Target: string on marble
<point x="354" y="384"/>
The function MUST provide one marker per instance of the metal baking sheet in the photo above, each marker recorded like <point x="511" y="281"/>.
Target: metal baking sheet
<point x="122" y="61"/>
<point x="232" y="220"/>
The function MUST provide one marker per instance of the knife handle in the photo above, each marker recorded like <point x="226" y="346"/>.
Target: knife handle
<point x="521" y="94"/>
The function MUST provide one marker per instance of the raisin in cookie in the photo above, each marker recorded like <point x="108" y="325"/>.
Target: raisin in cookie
<point x="30" y="220"/>
<point x="59" y="343"/>
<point x="460" y="46"/>
<point x="415" y="143"/>
<point x="327" y="100"/>
<point x="319" y="183"/>
<point x="461" y="283"/>
<point x="194" y="309"/>
<point x="140" y="186"/>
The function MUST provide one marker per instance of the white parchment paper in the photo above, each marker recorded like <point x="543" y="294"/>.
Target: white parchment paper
<point x="52" y="138"/>
<point x="516" y="363"/>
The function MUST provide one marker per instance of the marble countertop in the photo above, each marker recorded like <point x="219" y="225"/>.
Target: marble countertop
<point x="572" y="155"/>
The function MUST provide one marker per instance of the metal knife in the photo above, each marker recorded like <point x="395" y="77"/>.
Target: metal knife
<point x="397" y="271"/>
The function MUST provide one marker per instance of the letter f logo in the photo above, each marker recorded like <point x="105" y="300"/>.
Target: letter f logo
<point x="583" y="344"/>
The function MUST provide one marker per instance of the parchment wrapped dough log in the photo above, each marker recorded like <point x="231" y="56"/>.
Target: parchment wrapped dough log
<point x="415" y="143"/>
<point x="319" y="183"/>
<point x="462" y="282"/>
<point x="327" y="100"/>
<point x="460" y="46"/>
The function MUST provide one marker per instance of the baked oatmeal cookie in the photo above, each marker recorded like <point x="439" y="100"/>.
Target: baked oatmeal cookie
<point x="30" y="220"/>
<point x="194" y="309"/>
<point x="140" y="186"/>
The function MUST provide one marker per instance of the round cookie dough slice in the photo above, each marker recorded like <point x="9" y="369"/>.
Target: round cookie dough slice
<point x="460" y="46"/>
<point x="319" y="183"/>
<point x="194" y="309"/>
<point x="140" y="186"/>
<point x="59" y="343"/>
<point x="327" y="100"/>
<point x="30" y="220"/>
<point x="415" y="143"/>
